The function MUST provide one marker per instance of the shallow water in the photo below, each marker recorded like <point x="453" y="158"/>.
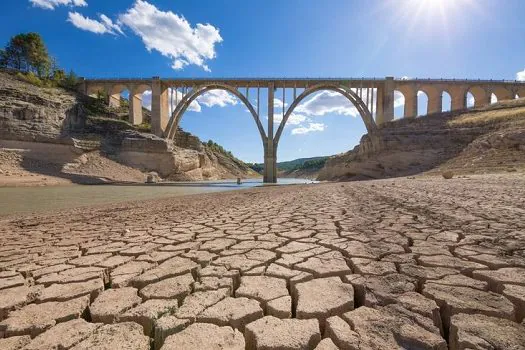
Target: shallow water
<point x="37" y="199"/>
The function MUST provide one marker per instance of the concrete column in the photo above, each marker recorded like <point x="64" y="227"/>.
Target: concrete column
<point x="410" y="110"/>
<point x="388" y="99"/>
<point x="435" y="102"/>
<point x="159" y="107"/>
<point x="135" y="108"/>
<point x="113" y="98"/>
<point x="379" y="106"/>
<point x="458" y="97"/>
<point x="270" y="149"/>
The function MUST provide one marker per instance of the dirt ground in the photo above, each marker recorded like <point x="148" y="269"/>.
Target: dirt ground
<point x="422" y="263"/>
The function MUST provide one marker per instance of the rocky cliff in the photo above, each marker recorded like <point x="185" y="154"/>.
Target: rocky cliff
<point x="58" y="133"/>
<point x="487" y="139"/>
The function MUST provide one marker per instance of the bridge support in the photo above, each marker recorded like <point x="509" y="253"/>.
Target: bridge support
<point x="410" y="104"/>
<point x="270" y="148"/>
<point x="385" y="102"/>
<point x="459" y="98"/>
<point x="135" y="108"/>
<point x="159" y="107"/>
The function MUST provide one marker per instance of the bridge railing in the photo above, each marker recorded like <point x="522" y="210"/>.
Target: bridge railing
<point x="277" y="79"/>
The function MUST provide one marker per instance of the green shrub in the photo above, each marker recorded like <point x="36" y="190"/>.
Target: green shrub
<point x="30" y="78"/>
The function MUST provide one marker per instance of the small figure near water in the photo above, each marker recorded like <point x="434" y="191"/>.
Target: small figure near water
<point x="239" y="181"/>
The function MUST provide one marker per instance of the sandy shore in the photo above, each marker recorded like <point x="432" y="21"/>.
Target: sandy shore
<point x="421" y="263"/>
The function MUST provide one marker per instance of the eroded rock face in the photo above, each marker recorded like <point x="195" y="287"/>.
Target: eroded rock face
<point x="411" y="146"/>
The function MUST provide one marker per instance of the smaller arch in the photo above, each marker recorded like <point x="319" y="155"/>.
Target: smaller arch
<point x="348" y="93"/>
<point x="470" y="100"/>
<point x="501" y="93"/>
<point x="480" y="95"/>
<point x="399" y="104"/>
<point x="446" y="101"/>
<point x="94" y="90"/>
<point x="115" y="92"/>
<point x="493" y="98"/>
<point x="422" y="103"/>
<point x="429" y="100"/>
<point x="136" y="116"/>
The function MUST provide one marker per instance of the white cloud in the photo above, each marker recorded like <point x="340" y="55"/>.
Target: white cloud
<point x="399" y="99"/>
<point x="105" y="25"/>
<point x="520" y="75"/>
<point x="307" y="129"/>
<point x="327" y="102"/>
<point x="293" y="119"/>
<point x="219" y="98"/>
<point x="470" y="100"/>
<point x="211" y="98"/>
<point x="172" y="35"/>
<point x="278" y="103"/>
<point x="51" y="4"/>
<point x="146" y="99"/>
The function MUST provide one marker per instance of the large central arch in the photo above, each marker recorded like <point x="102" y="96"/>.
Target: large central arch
<point x="186" y="101"/>
<point x="343" y="90"/>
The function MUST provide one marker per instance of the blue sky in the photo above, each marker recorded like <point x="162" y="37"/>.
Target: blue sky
<point x="270" y="38"/>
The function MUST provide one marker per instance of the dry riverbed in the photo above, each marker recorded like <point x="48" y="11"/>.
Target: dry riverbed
<point x="414" y="263"/>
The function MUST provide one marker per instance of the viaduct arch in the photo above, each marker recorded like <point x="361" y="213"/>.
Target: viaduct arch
<point x="373" y="98"/>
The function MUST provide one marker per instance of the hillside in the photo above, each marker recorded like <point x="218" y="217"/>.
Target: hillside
<point x="478" y="140"/>
<point x="307" y="168"/>
<point x="52" y="135"/>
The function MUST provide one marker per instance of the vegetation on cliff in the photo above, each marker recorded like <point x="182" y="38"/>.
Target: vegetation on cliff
<point x="27" y="54"/>
<point x="69" y="135"/>
<point x="296" y="165"/>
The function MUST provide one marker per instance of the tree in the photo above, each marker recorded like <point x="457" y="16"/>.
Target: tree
<point x="27" y="53"/>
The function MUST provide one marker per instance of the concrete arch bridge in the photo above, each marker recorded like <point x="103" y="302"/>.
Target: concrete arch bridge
<point x="373" y="98"/>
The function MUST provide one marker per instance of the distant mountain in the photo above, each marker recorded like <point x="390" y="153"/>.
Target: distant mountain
<point x="296" y="164"/>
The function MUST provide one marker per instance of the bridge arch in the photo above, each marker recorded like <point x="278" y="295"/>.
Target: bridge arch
<point x="186" y="101"/>
<point x="480" y="95"/>
<point x="502" y="93"/>
<point x="92" y="90"/>
<point x="446" y="101"/>
<point x="343" y="90"/>
<point x="399" y="103"/>
<point x="423" y="102"/>
<point x="115" y="92"/>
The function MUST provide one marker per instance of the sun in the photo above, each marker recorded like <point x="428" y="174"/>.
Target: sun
<point x="429" y="15"/>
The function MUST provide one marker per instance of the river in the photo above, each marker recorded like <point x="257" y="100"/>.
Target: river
<point x="15" y="200"/>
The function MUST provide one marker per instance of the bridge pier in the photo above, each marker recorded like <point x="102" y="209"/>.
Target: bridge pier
<point x="385" y="101"/>
<point x="135" y="107"/>
<point x="270" y="148"/>
<point x="410" y="104"/>
<point x="159" y="107"/>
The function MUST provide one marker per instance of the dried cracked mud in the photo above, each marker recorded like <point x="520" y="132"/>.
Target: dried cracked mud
<point x="405" y="263"/>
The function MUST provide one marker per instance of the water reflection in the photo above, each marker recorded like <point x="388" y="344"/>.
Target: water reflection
<point x="36" y="199"/>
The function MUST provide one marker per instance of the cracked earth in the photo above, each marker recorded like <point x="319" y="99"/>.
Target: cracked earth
<point x="404" y="263"/>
